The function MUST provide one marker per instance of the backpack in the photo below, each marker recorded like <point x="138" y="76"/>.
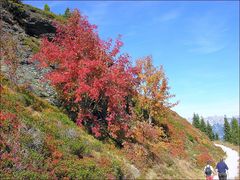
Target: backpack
<point x="208" y="171"/>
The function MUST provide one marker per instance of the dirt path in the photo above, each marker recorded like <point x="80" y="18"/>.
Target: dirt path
<point x="231" y="160"/>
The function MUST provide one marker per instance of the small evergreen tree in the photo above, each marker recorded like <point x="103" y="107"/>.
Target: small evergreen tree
<point x="18" y="1"/>
<point x="203" y="126"/>
<point x="67" y="13"/>
<point x="209" y="131"/>
<point x="227" y="130"/>
<point x="196" y="122"/>
<point x="46" y="8"/>
<point x="234" y="138"/>
<point x="216" y="136"/>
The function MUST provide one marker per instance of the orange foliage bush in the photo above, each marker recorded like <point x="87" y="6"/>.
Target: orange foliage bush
<point x="176" y="148"/>
<point x="203" y="158"/>
<point x="144" y="132"/>
<point x="153" y="90"/>
<point x="136" y="153"/>
<point x="104" y="162"/>
<point x="177" y="139"/>
<point x="201" y="148"/>
<point x="54" y="154"/>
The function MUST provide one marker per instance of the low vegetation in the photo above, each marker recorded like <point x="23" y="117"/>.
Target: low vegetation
<point x="38" y="140"/>
<point x="32" y="43"/>
<point x="9" y="55"/>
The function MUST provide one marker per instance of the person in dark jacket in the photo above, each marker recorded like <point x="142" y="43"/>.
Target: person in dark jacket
<point x="222" y="170"/>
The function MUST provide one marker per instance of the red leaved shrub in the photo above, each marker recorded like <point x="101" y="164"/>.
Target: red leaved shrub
<point x="10" y="157"/>
<point x="144" y="132"/>
<point x="137" y="154"/>
<point x="90" y="76"/>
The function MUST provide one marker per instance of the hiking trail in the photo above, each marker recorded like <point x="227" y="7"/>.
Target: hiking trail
<point x="231" y="161"/>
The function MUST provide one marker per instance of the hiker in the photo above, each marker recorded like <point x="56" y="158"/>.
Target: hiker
<point x="222" y="169"/>
<point x="208" y="170"/>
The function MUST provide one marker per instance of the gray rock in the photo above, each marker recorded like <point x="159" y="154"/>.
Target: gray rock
<point x="23" y="22"/>
<point x="71" y="133"/>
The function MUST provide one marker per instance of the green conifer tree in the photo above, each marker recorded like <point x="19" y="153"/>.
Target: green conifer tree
<point x="18" y="1"/>
<point x="203" y="126"/>
<point x="216" y="137"/>
<point x="234" y="131"/>
<point x="67" y="13"/>
<point x="227" y="130"/>
<point x="196" y="122"/>
<point x="46" y="8"/>
<point x="209" y="131"/>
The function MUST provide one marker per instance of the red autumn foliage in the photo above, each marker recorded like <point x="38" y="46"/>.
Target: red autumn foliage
<point x="136" y="153"/>
<point x="8" y="119"/>
<point x="9" y="142"/>
<point x="176" y="148"/>
<point x="55" y="156"/>
<point x="104" y="162"/>
<point x="144" y="132"/>
<point x="90" y="76"/>
<point x="203" y="158"/>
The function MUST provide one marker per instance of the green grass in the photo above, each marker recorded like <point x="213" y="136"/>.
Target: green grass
<point x="32" y="43"/>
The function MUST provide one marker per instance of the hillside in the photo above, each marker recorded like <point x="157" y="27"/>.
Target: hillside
<point x="39" y="140"/>
<point x="48" y="143"/>
<point x="26" y="24"/>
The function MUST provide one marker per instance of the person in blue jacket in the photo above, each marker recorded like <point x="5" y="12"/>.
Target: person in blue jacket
<point x="222" y="170"/>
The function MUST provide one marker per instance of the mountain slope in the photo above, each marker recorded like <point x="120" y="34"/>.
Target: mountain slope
<point x="26" y="24"/>
<point x="38" y="140"/>
<point x="50" y="145"/>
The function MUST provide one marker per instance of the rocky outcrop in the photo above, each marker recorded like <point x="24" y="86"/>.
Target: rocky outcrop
<point x="36" y="28"/>
<point x="27" y="18"/>
<point x="25" y="24"/>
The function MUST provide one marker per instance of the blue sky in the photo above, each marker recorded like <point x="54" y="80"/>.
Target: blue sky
<point x="196" y="42"/>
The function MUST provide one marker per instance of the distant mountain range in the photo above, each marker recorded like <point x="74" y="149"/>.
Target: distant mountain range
<point x="219" y="119"/>
<point x="217" y="123"/>
<point x="218" y="128"/>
